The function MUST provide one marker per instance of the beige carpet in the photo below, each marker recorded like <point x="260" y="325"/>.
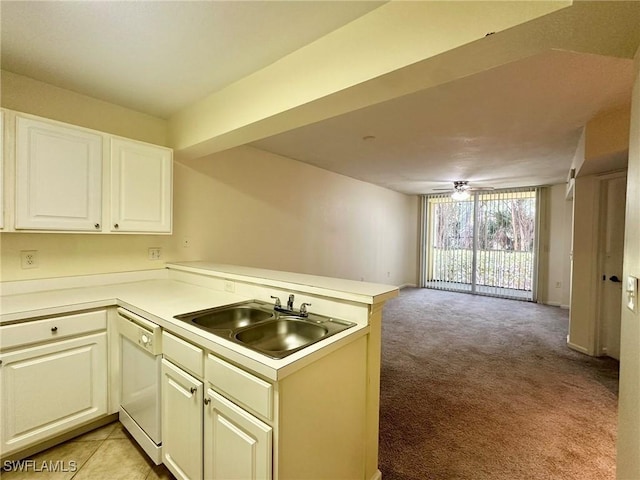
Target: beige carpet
<point x="483" y="388"/>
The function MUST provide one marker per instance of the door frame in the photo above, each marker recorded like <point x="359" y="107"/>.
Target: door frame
<point x="600" y="348"/>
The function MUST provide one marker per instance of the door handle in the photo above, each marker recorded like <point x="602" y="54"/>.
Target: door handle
<point x="615" y="279"/>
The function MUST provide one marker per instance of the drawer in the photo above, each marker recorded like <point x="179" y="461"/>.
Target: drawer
<point x="183" y="353"/>
<point x="50" y="329"/>
<point x="239" y="386"/>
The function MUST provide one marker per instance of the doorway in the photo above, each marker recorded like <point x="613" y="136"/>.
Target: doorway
<point x="483" y="245"/>
<point x="610" y="260"/>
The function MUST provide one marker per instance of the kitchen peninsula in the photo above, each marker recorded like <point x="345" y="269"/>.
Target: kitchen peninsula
<point x="311" y="414"/>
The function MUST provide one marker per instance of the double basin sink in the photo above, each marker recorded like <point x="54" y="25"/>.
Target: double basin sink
<point x="256" y="325"/>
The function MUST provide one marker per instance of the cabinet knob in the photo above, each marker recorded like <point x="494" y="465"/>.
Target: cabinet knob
<point x="116" y="226"/>
<point x="54" y="329"/>
<point x="97" y="225"/>
<point x="193" y="389"/>
<point x="206" y="400"/>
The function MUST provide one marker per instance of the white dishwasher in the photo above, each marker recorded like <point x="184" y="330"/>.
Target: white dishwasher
<point x="140" y="363"/>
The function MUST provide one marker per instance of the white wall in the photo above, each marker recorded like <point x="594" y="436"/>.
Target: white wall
<point x="250" y="207"/>
<point x="31" y="96"/>
<point x="629" y="396"/>
<point x="242" y="206"/>
<point x="559" y="265"/>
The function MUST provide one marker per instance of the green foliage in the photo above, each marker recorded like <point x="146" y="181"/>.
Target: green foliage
<point x="495" y="268"/>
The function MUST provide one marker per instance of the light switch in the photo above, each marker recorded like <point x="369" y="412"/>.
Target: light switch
<point x="632" y="293"/>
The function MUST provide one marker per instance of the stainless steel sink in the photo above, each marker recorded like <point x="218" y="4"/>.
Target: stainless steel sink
<point x="229" y="317"/>
<point x="281" y="335"/>
<point x="255" y="325"/>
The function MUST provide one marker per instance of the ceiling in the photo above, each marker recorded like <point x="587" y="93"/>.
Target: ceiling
<point x="159" y="56"/>
<point x="513" y="125"/>
<point x="510" y="126"/>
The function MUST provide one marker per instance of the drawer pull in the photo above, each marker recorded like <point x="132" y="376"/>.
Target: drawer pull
<point x="207" y="401"/>
<point x="193" y="389"/>
<point x="97" y="225"/>
<point x="54" y="329"/>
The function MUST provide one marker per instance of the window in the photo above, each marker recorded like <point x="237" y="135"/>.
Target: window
<point x="483" y="245"/>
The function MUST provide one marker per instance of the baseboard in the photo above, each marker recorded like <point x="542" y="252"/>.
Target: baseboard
<point x="377" y="475"/>
<point x="577" y="348"/>
<point x="58" y="439"/>
<point x="565" y="307"/>
<point x="408" y="285"/>
<point x="552" y="304"/>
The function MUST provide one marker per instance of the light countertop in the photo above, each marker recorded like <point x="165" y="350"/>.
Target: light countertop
<point x="343" y="289"/>
<point x="159" y="298"/>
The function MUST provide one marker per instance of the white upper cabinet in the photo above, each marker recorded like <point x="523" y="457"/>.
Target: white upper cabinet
<point x="58" y="177"/>
<point x="72" y="179"/>
<point x="140" y="187"/>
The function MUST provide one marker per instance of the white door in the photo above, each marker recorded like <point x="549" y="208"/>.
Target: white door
<point x="58" y="177"/>
<point x="141" y="177"/>
<point x="182" y="399"/>
<point x="611" y="255"/>
<point x="51" y="388"/>
<point x="237" y="446"/>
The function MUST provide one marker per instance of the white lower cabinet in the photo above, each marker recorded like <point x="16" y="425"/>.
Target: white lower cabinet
<point x="51" y="388"/>
<point x="182" y="401"/>
<point x="207" y="434"/>
<point x="236" y="444"/>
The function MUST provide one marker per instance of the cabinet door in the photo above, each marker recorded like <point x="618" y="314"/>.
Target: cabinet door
<point x="141" y="177"/>
<point x="182" y="398"/>
<point x="52" y="388"/>
<point x="236" y="444"/>
<point x="58" y="177"/>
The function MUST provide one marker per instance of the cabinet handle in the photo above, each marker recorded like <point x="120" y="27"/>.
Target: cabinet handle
<point x="97" y="225"/>
<point x="54" y="329"/>
<point x="206" y="400"/>
<point x="193" y="389"/>
<point x="115" y="225"/>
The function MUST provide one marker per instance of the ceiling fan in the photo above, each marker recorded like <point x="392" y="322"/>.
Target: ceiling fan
<point x="462" y="190"/>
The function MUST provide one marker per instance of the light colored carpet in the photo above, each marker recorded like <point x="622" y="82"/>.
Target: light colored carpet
<point x="483" y="388"/>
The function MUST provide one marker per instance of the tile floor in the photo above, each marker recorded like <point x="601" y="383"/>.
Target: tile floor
<point x="108" y="453"/>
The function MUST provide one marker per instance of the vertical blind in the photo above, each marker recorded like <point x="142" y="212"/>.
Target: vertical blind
<point x="484" y="245"/>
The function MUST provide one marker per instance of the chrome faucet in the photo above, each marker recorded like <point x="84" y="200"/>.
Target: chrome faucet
<point x="277" y="306"/>
<point x="277" y="303"/>
<point x="290" y="303"/>
<point x="303" y="309"/>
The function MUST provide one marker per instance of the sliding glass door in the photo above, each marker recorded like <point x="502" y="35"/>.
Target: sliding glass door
<point x="483" y="245"/>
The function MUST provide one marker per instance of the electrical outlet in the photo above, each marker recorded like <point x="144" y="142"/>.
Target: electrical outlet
<point x="154" y="253"/>
<point x="29" y="259"/>
<point x="186" y="242"/>
<point x="229" y="286"/>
